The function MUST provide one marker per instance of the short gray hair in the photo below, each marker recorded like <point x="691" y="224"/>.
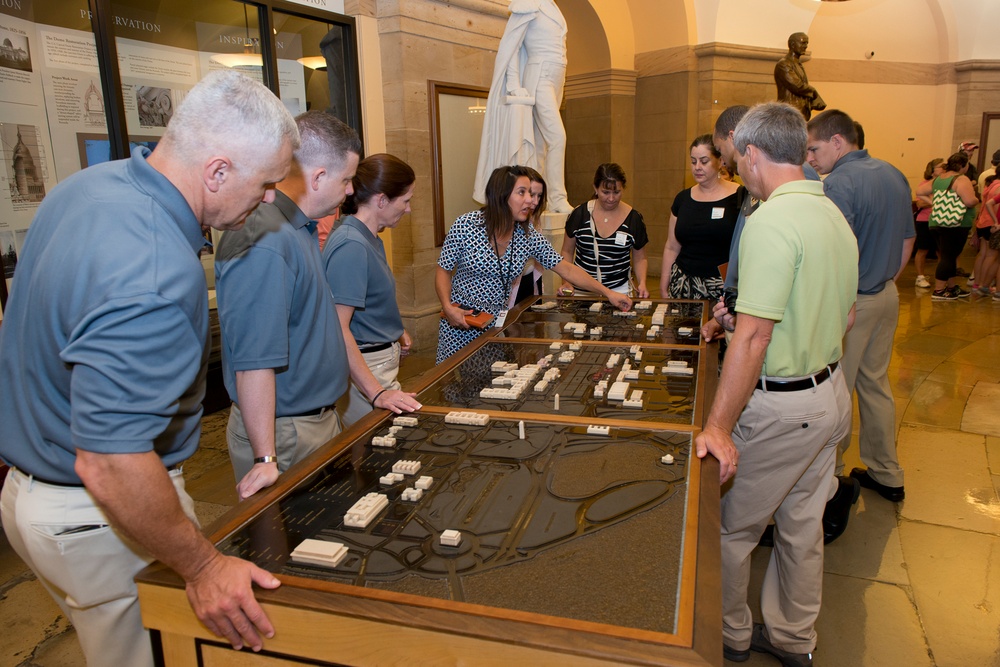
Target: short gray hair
<point x="231" y="114"/>
<point x="326" y="141"/>
<point x="776" y="129"/>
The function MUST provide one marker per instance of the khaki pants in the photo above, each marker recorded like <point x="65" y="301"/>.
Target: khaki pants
<point x="384" y="365"/>
<point x="787" y="443"/>
<point x="295" y="438"/>
<point x="867" y="351"/>
<point x="89" y="573"/>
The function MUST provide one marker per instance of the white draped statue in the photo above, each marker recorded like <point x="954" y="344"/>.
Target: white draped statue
<point x="522" y="124"/>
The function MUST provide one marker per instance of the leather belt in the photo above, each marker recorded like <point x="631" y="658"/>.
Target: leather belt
<point x="313" y="413"/>
<point x="798" y="385"/>
<point x="72" y="485"/>
<point x="373" y="347"/>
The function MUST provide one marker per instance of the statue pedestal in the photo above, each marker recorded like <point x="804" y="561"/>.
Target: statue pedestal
<point x="553" y="228"/>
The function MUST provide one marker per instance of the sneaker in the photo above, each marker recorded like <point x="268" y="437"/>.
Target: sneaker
<point x="984" y="290"/>
<point x="959" y="292"/>
<point x="943" y="295"/>
<point x="996" y="296"/>
<point x="973" y="285"/>
<point x="922" y="281"/>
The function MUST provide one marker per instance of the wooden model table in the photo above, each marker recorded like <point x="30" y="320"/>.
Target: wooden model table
<point x="578" y="547"/>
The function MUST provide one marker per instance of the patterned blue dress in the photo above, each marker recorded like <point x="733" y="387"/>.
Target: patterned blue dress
<point x="481" y="280"/>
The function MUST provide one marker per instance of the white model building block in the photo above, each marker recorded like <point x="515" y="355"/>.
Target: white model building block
<point x="555" y="402"/>
<point x="318" y="552"/>
<point x="451" y="538"/>
<point x="640" y="326"/>
<point x="685" y="331"/>
<point x="638" y="357"/>
<point x="599" y="391"/>
<point x="555" y="346"/>
<point x="566" y="357"/>
<point x="643" y="305"/>
<point x="674" y="311"/>
<point x="390" y="479"/>
<point x="649" y="370"/>
<point x="576" y="347"/>
<point x="626" y="366"/>
<point x="618" y="391"/>
<point x="596" y="307"/>
<point x="412" y="495"/>
<point x="626" y="313"/>
<point x="404" y="421"/>
<point x="634" y="349"/>
<point x="678" y="370"/>
<point x="633" y="401"/>
<point x="676" y="362"/>
<point x="393" y="430"/>
<point x="613" y="360"/>
<point x="424" y="482"/>
<point x="658" y="319"/>
<point x="596" y="332"/>
<point x="620" y="377"/>
<point x="467" y="418"/>
<point x="652" y="332"/>
<point x="667" y="458"/>
<point x="365" y="510"/>
<point x="541" y="386"/>
<point x="520" y="429"/>
<point x="383" y="441"/>
<point x="632" y="374"/>
<point x="552" y="374"/>
<point x="598" y="430"/>
<point x="406" y="467"/>
<point x="568" y="326"/>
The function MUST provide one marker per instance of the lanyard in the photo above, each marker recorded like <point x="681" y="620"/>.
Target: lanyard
<point x="505" y="276"/>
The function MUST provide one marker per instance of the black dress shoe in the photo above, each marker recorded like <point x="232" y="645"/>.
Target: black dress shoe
<point x="838" y="508"/>
<point x="767" y="537"/>
<point x="891" y="493"/>
<point x="735" y="655"/>
<point x="759" y="642"/>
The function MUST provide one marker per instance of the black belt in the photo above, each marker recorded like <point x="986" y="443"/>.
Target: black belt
<point x="373" y="347"/>
<point x="73" y="485"/>
<point x="313" y="413"/>
<point x="798" y="385"/>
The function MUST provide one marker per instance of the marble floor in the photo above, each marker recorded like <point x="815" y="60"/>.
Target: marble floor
<point x="909" y="584"/>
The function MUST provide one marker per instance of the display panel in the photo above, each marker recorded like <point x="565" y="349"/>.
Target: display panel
<point x="526" y="509"/>
<point x="668" y="390"/>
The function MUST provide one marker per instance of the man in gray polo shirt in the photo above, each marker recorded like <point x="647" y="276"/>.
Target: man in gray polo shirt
<point x="874" y="196"/>
<point x="103" y="350"/>
<point x="283" y="356"/>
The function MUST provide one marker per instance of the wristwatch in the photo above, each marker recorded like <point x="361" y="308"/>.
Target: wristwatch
<point x="266" y="459"/>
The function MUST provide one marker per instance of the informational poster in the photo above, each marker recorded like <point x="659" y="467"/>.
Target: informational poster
<point x="28" y="171"/>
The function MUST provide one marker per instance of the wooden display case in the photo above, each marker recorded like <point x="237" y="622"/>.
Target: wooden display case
<point x="578" y="548"/>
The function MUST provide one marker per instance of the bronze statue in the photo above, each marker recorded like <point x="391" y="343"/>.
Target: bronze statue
<point x="790" y="77"/>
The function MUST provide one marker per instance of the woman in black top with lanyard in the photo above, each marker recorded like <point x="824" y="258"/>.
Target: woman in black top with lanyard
<point x="702" y="222"/>
<point x="607" y="238"/>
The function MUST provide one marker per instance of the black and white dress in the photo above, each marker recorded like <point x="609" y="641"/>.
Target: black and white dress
<point x="481" y="280"/>
<point x="615" y="251"/>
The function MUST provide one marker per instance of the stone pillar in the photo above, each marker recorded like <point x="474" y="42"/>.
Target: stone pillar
<point x="422" y="40"/>
<point x="978" y="92"/>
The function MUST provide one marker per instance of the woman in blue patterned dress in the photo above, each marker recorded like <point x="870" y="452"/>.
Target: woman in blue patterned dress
<point x="483" y="255"/>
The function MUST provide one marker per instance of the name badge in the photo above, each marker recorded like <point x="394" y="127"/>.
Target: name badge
<point x="718" y="212"/>
<point x="621" y="238"/>
<point x="498" y="322"/>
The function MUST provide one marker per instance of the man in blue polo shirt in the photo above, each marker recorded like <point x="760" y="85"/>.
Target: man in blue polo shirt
<point x="874" y="196"/>
<point x="782" y="405"/>
<point x="283" y="355"/>
<point x="104" y="345"/>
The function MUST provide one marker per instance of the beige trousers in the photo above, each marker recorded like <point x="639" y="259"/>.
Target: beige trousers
<point x="384" y="365"/>
<point x="84" y="564"/>
<point x="294" y="439"/>
<point x="787" y="443"/>
<point x="867" y="352"/>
